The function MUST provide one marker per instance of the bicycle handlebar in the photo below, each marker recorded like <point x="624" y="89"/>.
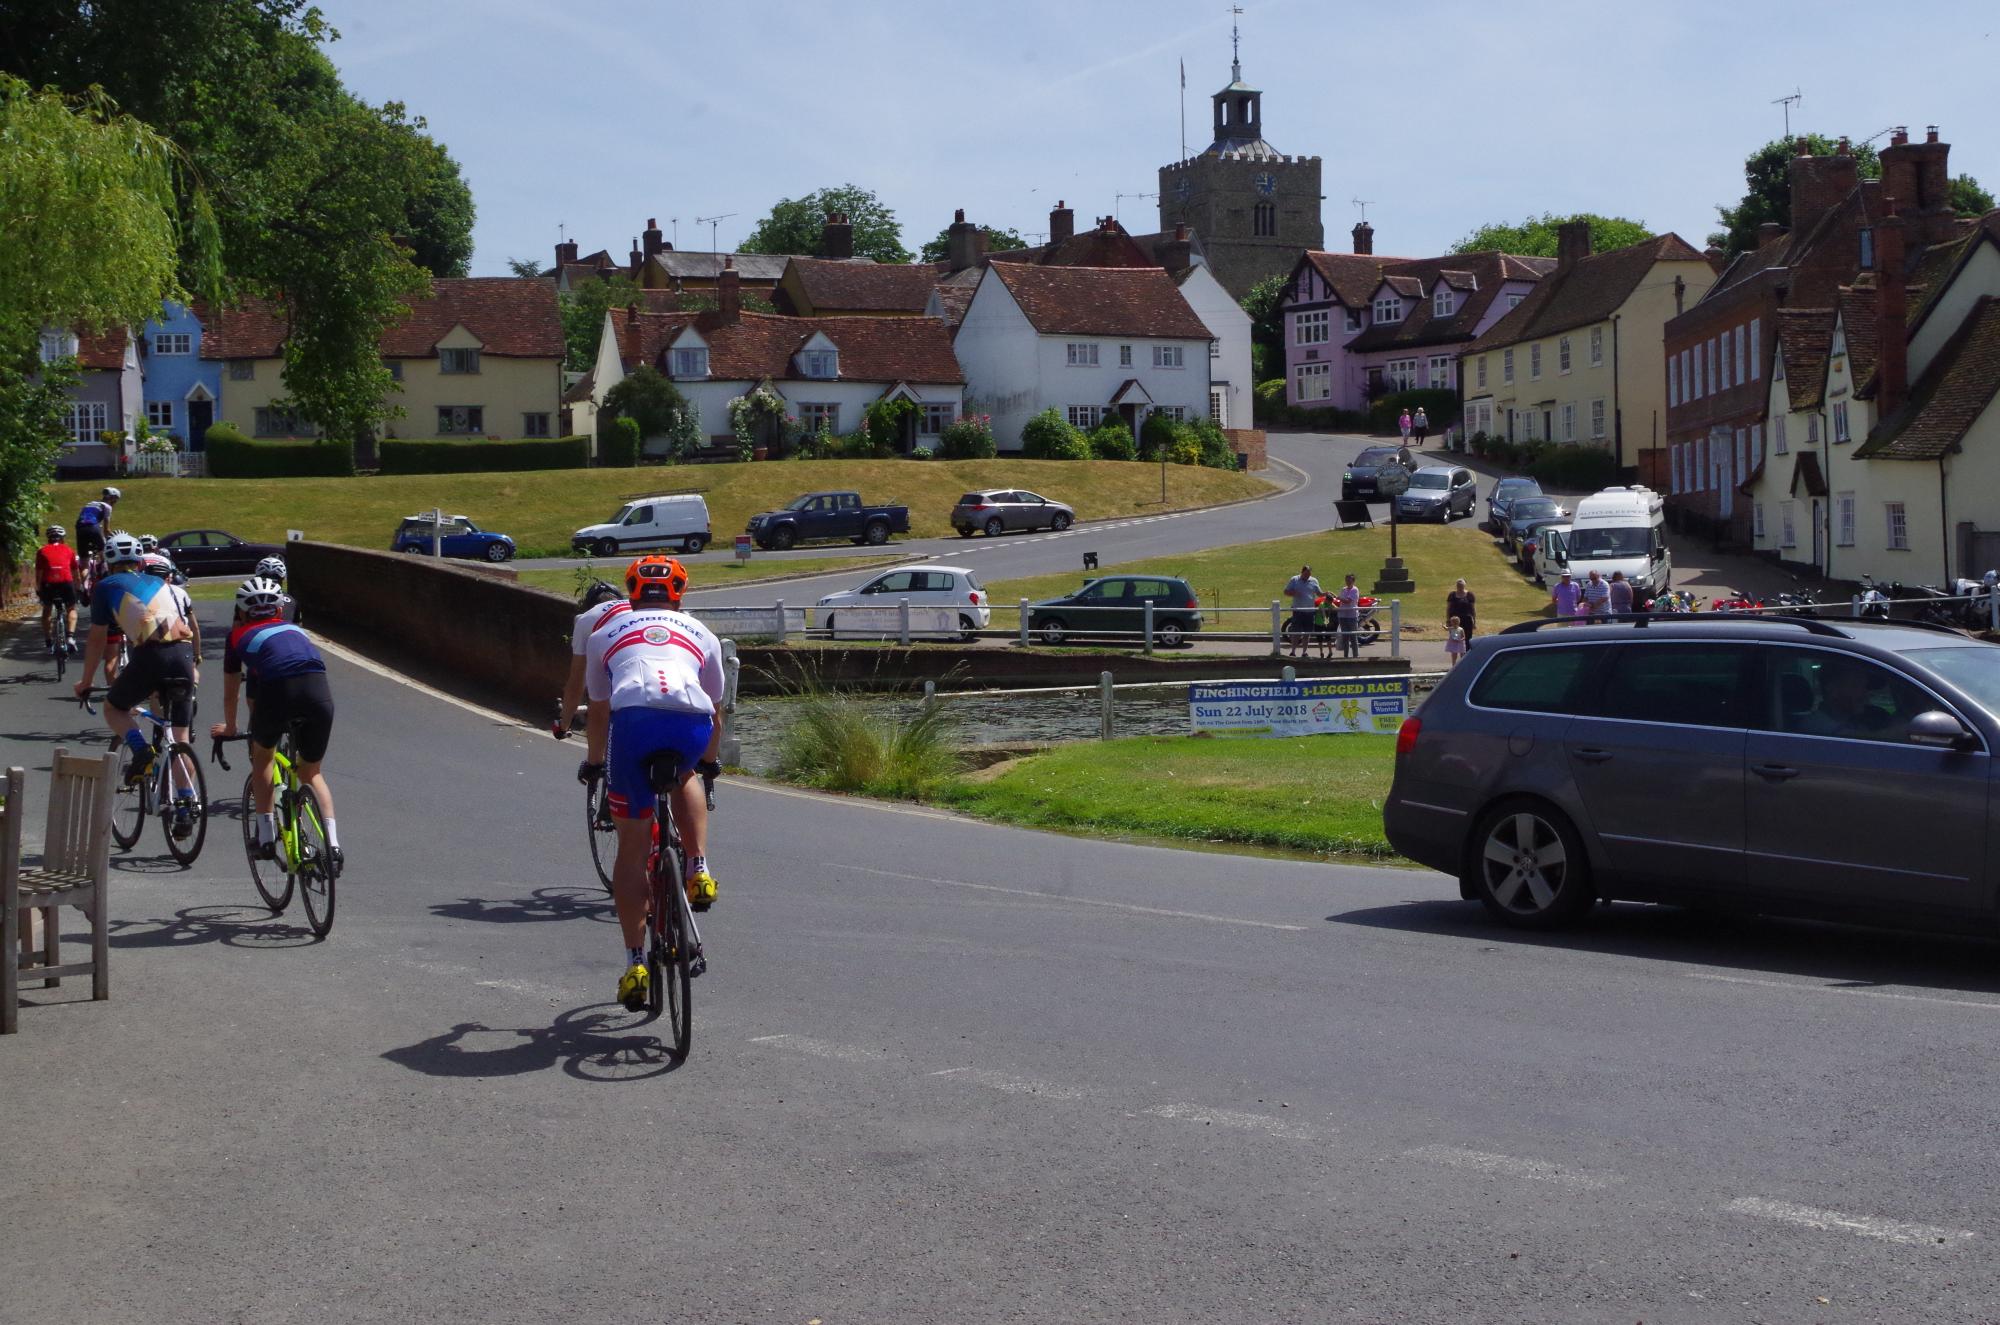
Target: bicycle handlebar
<point x="83" y="700"/>
<point x="215" y="754"/>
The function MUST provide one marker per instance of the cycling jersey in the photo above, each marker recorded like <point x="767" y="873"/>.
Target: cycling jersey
<point x="55" y="563"/>
<point x="93" y="515"/>
<point x="654" y="658"/>
<point x="144" y="609"/>
<point x="588" y="620"/>
<point x="267" y="649"/>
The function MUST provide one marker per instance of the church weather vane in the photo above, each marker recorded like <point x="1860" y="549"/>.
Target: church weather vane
<point x="1235" y="45"/>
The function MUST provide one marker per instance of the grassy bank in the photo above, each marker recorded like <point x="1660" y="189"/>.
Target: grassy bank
<point x="708" y="574"/>
<point x="540" y="510"/>
<point x="1252" y="574"/>
<point x="1321" y="794"/>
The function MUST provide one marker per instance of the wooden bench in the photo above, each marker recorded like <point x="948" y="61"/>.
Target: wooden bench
<point x="75" y="871"/>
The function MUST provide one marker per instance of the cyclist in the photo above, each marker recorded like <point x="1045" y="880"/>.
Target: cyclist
<point x="596" y="603"/>
<point x="153" y="619"/>
<point x="275" y="570"/>
<point x="654" y="677"/>
<point x="93" y="520"/>
<point x="288" y="690"/>
<point x="55" y="585"/>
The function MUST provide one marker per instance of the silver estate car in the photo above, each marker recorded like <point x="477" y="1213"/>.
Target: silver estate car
<point x="1786" y="765"/>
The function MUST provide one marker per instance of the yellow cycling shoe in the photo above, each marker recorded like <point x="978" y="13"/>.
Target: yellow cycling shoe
<point x="701" y="890"/>
<point x="633" y="987"/>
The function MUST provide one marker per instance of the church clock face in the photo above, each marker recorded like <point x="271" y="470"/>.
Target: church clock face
<point x="1185" y="189"/>
<point x="1267" y="184"/>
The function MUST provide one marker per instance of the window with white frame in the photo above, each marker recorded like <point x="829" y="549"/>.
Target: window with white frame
<point x="1218" y="407"/>
<point x="1673" y="379"/>
<point x="1535" y="362"/>
<point x="1742" y="449"/>
<point x="1843" y="506"/>
<point x="1440" y="370"/>
<point x="1178" y="413"/>
<point x="1562" y="354"/>
<point x="1757" y="521"/>
<point x="172" y="344"/>
<point x="535" y="424"/>
<point x="1312" y="381"/>
<point x="1756" y="357"/>
<point x="1388" y="310"/>
<point x="1779" y="444"/>
<point x="935" y="419"/>
<point x="1507" y="366"/>
<point x="1788" y="534"/>
<point x="819" y="417"/>
<point x="458" y="361"/>
<point x="1169" y="356"/>
<point x="1124" y="356"/>
<point x="1742" y="354"/>
<point x="1597" y="347"/>
<point x="242" y="370"/>
<point x="1597" y="419"/>
<point x="1481" y="372"/>
<point x="1402" y="372"/>
<point x="692" y="362"/>
<point x="1568" y="422"/>
<point x="1083" y="354"/>
<point x="1311" y="328"/>
<point x="1687" y="379"/>
<point x="461" y="420"/>
<point x="820" y="365"/>
<point x="1899" y="526"/>
<point x="160" y="414"/>
<point x="57" y="345"/>
<point x="1840" y="422"/>
<point x="1812" y="430"/>
<point x="1442" y="302"/>
<point x="1353" y="319"/>
<point x="85" y="419"/>
<point x="1756" y="446"/>
<point x="1722" y="382"/>
<point x="1085" y="416"/>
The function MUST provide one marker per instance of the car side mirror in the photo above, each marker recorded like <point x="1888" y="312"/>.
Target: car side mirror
<point x="1939" y="730"/>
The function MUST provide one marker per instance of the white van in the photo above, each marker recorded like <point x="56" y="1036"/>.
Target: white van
<point x="1551" y="553"/>
<point x="645" y="524"/>
<point x="1622" y="529"/>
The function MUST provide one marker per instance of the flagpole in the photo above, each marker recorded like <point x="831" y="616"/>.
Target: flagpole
<point x="1183" y="110"/>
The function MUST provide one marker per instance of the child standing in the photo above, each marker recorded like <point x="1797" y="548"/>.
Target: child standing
<point x="1454" y="641"/>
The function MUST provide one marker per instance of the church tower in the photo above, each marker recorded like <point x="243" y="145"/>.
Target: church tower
<point x="1253" y="208"/>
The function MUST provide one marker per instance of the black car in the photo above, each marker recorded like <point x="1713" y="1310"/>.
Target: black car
<point x="1358" y="479"/>
<point x="1115" y="605"/>
<point x="213" y="552"/>
<point x="1518" y="514"/>
<point x="1504" y="492"/>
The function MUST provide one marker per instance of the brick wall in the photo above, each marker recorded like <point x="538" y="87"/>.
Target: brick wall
<point x="1250" y="441"/>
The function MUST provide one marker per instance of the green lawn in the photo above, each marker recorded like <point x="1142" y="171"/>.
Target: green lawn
<point x="1321" y="794"/>
<point x="1252" y="574"/>
<point x="540" y="510"/>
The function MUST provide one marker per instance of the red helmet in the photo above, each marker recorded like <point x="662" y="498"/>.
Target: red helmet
<point x="656" y="579"/>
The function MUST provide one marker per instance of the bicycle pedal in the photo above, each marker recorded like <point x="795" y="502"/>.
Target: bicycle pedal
<point x="697" y="965"/>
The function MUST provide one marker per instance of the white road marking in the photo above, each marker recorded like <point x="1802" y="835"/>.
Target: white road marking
<point x="1797" y="987"/>
<point x="1078" y="901"/>
<point x="1014" y="1085"/>
<point x="1234" y="1118"/>
<point x="1533" y="1169"/>
<point x="1867" y="1226"/>
<point x="846" y="1053"/>
<point x="368" y="664"/>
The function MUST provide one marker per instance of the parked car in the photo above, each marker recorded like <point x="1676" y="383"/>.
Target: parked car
<point x="460" y="538"/>
<point x="1438" y="492"/>
<point x="929" y="587"/>
<point x="1358" y="479"/>
<point x="827" y="515"/>
<point x="1527" y="535"/>
<point x="1549" y="552"/>
<point x="1837" y="768"/>
<point x="997" y="510"/>
<point x="645" y="524"/>
<point x="1116" y="605"/>
<point x="1522" y="511"/>
<point x="213" y="552"/>
<point x="1503" y="494"/>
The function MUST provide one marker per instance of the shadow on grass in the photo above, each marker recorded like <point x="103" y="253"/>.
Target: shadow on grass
<point x="586" y="1042"/>
<point x="554" y="903"/>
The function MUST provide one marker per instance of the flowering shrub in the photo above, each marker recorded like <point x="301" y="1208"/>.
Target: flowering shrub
<point x="968" y="437"/>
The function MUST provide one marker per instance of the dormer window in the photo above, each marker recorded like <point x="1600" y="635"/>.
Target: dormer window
<point x="458" y="361"/>
<point x="1442" y="303"/>
<point x="823" y="365"/>
<point x="691" y="363"/>
<point x="1388" y="310"/>
<point x="57" y="345"/>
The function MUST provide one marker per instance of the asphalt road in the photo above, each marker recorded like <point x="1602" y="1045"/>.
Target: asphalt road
<point x="950" y="1071"/>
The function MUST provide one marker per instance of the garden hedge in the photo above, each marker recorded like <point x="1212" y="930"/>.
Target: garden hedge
<point x="398" y="455"/>
<point x="232" y="455"/>
<point x="620" y="438"/>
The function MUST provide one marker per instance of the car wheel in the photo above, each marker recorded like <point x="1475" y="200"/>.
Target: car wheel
<point x="995" y="527"/>
<point x="497" y="552"/>
<point x="693" y="544"/>
<point x="1169" y="634"/>
<point x="967" y="630"/>
<point x="877" y="533"/>
<point x="1059" y="521"/>
<point x="967" y="532"/>
<point x="782" y="539"/>
<point x="827" y="625"/>
<point x="1052" y="629"/>
<point x="1527" y="866"/>
<point x="606" y="547"/>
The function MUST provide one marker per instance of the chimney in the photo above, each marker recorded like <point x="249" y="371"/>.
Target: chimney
<point x="1818" y="184"/>
<point x="1918" y="176"/>
<point x="1572" y="243"/>
<point x="1062" y="223"/>
<point x="1680" y="296"/>
<point x="1364" y="238"/>
<point x="1768" y="231"/>
<point x="655" y="242"/>
<point x="1176" y="254"/>
<point x="1892" y="339"/>
<point x="638" y="258"/>
<point x="836" y="240"/>
<point x="565" y="253"/>
<point x="728" y="293"/>
<point x="964" y="243"/>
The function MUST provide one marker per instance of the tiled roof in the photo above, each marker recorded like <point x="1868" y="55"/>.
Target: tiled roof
<point x="1097" y="246"/>
<point x="864" y="287"/>
<point x="1100" y="301"/>
<point x="1859" y="306"/>
<point x="1954" y="391"/>
<point x="766" y="268"/>
<point x="1420" y="326"/>
<point x="1353" y="276"/>
<point x="513" y="317"/>
<point x="954" y="300"/>
<point x="1590" y="291"/>
<point x="761" y="345"/>
<point x="1410" y="287"/>
<point x="1807" y="474"/>
<point x="1805" y="335"/>
<point x="102" y="351"/>
<point x="1936" y="265"/>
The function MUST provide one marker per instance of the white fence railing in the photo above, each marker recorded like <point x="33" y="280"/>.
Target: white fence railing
<point x="169" y="464"/>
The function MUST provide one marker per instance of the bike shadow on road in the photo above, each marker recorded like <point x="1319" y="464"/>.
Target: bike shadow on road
<point x="247" y="926"/>
<point x="591" y="1043"/>
<point x="543" y="904"/>
<point x="1842" y="956"/>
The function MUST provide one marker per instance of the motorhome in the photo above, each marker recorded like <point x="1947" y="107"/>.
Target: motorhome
<point x="1622" y="529"/>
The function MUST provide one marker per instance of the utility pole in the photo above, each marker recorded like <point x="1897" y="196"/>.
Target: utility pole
<point x="1788" y="102"/>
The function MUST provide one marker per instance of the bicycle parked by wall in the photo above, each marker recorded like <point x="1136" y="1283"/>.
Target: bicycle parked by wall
<point x="301" y="858"/>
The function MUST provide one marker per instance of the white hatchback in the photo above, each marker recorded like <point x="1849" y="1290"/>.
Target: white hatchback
<point x="944" y="600"/>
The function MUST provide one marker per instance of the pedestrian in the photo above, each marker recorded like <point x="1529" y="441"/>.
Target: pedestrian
<point x="1454" y="641"/>
<point x="1596" y="595"/>
<point x="1405" y="424"/>
<point x="1304" y="591"/>
<point x="1421" y="425"/>
<point x="1347" y="618"/>
<point x="1565" y="597"/>
<point x="1621" y="593"/>
<point x="1462" y="603"/>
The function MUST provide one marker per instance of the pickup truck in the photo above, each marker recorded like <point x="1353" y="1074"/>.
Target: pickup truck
<point x="827" y="515"/>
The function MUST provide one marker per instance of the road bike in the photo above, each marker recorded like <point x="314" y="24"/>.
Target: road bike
<point x="597" y="826"/>
<point x="175" y="770"/>
<point x="63" y="643"/>
<point x="673" y="941"/>
<point x="301" y="855"/>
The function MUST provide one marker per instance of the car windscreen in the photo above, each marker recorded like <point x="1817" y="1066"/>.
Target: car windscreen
<point x="799" y="503"/>
<point x="1516" y="487"/>
<point x="1628" y="541"/>
<point x="1531" y="508"/>
<point x="1424" y="479"/>
<point x="623" y="511"/>
<point x="973" y="499"/>
<point x="1973" y="669"/>
<point x="1375" y="455"/>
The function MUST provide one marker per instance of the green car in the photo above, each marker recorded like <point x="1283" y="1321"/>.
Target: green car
<point x="1114" y="606"/>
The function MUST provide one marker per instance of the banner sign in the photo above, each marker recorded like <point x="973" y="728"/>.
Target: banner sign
<point x="1300" y="708"/>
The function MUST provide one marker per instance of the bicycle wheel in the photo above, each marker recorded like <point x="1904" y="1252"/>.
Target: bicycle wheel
<point x="131" y="803"/>
<point x="597" y="824"/>
<point x="315" y="866"/>
<point x="671" y="989"/>
<point x="62" y="655"/>
<point x="174" y="779"/>
<point x="268" y="875"/>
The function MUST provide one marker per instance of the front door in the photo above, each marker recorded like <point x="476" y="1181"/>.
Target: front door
<point x="201" y="416"/>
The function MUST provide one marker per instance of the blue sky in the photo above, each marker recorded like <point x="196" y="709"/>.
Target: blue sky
<point x="597" y="115"/>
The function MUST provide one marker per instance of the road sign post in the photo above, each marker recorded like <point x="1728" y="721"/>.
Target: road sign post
<point x="1392" y="481"/>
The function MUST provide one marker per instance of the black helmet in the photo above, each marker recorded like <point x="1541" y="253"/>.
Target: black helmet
<point x="597" y="592"/>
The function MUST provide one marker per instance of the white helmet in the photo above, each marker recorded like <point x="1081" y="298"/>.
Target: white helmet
<point x="149" y="543"/>
<point x="257" y="596"/>
<point x="112" y="494"/>
<point x="155" y="564"/>
<point x="271" y="568"/>
<point x="122" y="548"/>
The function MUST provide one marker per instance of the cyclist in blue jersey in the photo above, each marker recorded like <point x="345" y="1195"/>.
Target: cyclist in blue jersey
<point x="161" y="638"/>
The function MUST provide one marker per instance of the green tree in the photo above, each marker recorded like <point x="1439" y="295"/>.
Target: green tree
<point x="524" y="267"/>
<point x="438" y="213"/>
<point x="583" y="308"/>
<point x="997" y="241"/>
<point x="1535" y="237"/>
<point x="648" y="398"/>
<point x="1267" y="325"/>
<point x="1967" y="198"/>
<point x="795" y="225"/>
<point x="1767" y="193"/>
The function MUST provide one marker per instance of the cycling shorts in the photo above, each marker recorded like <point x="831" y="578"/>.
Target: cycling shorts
<point x="149" y="667"/>
<point x="639" y="733"/>
<point x="304" y="698"/>
<point x="89" y="539"/>
<point x="61" y="593"/>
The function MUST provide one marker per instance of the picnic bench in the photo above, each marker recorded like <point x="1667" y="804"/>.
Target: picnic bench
<point x="75" y="871"/>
